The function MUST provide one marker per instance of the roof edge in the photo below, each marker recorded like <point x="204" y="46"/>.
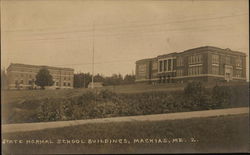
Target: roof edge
<point x="39" y="66"/>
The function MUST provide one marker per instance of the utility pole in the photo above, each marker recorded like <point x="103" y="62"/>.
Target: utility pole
<point x="93" y="55"/>
<point x="83" y="80"/>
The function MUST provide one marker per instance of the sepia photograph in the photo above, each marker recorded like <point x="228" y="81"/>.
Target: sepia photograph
<point x="124" y="76"/>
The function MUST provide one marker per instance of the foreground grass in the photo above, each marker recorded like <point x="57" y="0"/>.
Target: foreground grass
<point x="215" y="134"/>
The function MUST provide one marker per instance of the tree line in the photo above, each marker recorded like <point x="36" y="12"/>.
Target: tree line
<point x="82" y="80"/>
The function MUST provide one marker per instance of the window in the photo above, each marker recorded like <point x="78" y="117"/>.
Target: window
<point x="195" y="59"/>
<point x="169" y="64"/>
<point x="57" y="84"/>
<point x="192" y="59"/>
<point x="68" y="84"/>
<point x="161" y="66"/>
<point x="142" y="69"/>
<point x="155" y="65"/>
<point x="165" y="65"/>
<point x="238" y="73"/>
<point x="64" y="83"/>
<point x="30" y="82"/>
<point x="238" y="62"/>
<point x="200" y="69"/>
<point x="228" y="60"/>
<point x="196" y="70"/>
<point x="179" y="72"/>
<point x="190" y="71"/>
<point x="179" y="61"/>
<point x="215" y="70"/>
<point x="16" y="84"/>
<point x="215" y="59"/>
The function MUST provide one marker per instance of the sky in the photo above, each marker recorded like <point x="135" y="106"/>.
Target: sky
<point x="65" y="33"/>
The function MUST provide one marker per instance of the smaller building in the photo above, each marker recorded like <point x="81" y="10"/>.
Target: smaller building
<point x="95" y="85"/>
<point x="23" y="76"/>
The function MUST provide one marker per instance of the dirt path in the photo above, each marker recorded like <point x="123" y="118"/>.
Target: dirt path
<point x="23" y="127"/>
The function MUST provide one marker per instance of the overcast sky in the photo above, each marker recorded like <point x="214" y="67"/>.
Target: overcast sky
<point x="60" y="32"/>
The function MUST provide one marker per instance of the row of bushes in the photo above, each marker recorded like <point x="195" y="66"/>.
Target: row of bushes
<point x="105" y="103"/>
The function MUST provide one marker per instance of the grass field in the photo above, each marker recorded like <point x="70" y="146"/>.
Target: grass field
<point x="15" y="96"/>
<point x="214" y="134"/>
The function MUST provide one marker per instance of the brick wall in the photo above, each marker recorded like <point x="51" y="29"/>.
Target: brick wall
<point x="23" y="76"/>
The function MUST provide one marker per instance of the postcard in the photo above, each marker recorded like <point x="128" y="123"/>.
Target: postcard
<point x="115" y="77"/>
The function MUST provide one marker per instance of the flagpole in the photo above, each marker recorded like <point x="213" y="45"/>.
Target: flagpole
<point x="93" y="55"/>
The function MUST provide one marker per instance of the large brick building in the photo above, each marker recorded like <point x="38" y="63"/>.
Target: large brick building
<point x="23" y="76"/>
<point x="203" y="64"/>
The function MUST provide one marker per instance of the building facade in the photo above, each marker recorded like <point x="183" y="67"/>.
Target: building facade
<point x="23" y="76"/>
<point x="203" y="64"/>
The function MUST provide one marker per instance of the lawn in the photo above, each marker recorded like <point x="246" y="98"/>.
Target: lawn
<point x="214" y="134"/>
<point x="55" y="105"/>
<point x="15" y="96"/>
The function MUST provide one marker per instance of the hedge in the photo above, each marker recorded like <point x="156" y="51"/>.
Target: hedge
<point x="104" y="103"/>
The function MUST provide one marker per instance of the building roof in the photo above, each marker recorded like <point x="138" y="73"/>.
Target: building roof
<point x="168" y="55"/>
<point x="143" y="60"/>
<point x="200" y="49"/>
<point x="212" y="48"/>
<point x="37" y="66"/>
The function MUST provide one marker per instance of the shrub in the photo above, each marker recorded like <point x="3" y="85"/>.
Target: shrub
<point x="194" y="89"/>
<point x="221" y="96"/>
<point x="104" y="103"/>
<point x="195" y="96"/>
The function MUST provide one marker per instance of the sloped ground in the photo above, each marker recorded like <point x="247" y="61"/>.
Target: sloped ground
<point x="76" y="104"/>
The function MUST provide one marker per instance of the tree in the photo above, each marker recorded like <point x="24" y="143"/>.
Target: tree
<point x="82" y="80"/>
<point x="115" y="79"/>
<point x="43" y="78"/>
<point x="99" y="78"/>
<point x="221" y="96"/>
<point x="194" y="89"/>
<point x="129" y="79"/>
<point x="194" y="94"/>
